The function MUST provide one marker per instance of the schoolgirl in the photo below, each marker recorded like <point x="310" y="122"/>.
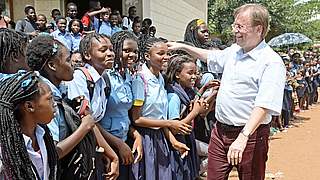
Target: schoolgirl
<point x="149" y="114"/>
<point x="27" y="148"/>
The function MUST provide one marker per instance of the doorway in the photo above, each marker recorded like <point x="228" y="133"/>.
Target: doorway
<point x="84" y="5"/>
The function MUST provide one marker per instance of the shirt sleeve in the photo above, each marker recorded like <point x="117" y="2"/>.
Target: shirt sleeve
<point x="138" y="91"/>
<point x="271" y="88"/>
<point x="54" y="127"/>
<point x="19" y="26"/>
<point x="125" y="22"/>
<point x="78" y="86"/>
<point x="173" y="106"/>
<point x="85" y="20"/>
<point x="216" y="60"/>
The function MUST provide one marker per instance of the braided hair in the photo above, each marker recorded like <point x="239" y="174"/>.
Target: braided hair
<point x="39" y="51"/>
<point x="191" y="35"/>
<point x="14" y="91"/>
<point x="147" y="43"/>
<point x="12" y="45"/>
<point x="86" y="43"/>
<point x="117" y="40"/>
<point x="175" y="66"/>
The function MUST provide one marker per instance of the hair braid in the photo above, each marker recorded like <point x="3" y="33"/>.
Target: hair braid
<point x="117" y="40"/>
<point x="12" y="45"/>
<point x="15" y="90"/>
<point x="175" y="66"/>
<point x="40" y="50"/>
<point x="191" y="35"/>
<point x="86" y="43"/>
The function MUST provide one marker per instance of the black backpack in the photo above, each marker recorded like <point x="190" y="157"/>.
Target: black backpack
<point x="91" y="84"/>
<point x="81" y="162"/>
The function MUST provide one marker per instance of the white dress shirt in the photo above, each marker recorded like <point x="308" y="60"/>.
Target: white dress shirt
<point x="252" y="79"/>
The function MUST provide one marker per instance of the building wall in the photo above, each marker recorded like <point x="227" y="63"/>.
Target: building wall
<point x="41" y="6"/>
<point x="18" y="8"/>
<point x="171" y="17"/>
<point x="45" y="7"/>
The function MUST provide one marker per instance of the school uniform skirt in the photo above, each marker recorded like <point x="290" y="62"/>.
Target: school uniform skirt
<point x="188" y="167"/>
<point x="156" y="162"/>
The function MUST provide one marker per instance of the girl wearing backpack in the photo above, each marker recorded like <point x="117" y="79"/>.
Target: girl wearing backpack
<point x="75" y="137"/>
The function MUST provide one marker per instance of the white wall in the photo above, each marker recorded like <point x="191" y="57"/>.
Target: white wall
<point x="172" y="16"/>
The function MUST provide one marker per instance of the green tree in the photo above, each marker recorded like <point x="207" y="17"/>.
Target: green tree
<point x="286" y="16"/>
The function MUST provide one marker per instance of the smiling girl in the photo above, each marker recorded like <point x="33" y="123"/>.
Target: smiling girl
<point x="149" y="114"/>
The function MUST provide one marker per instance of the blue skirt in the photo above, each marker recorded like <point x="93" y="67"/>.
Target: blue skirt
<point x="156" y="162"/>
<point x="188" y="167"/>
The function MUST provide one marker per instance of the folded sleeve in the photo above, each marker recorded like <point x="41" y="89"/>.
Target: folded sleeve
<point x="138" y="90"/>
<point x="173" y="106"/>
<point x="271" y="88"/>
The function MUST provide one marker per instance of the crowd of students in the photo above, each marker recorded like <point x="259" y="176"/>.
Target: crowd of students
<point x="99" y="98"/>
<point x="97" y="107"/>
<point x="70" y="29"/>
<point x="301" y="90"/>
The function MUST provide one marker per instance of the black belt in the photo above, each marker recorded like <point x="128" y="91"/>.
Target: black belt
<point x="227" y="127"/>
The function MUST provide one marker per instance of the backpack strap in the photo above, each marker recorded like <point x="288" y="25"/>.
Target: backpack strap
<point x="89" y="79"/>
<point x="145" y="83"/>
<point x="107" y="89"/>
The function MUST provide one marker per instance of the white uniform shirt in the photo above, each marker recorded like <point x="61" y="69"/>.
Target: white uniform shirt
<point x="253" y="79"/>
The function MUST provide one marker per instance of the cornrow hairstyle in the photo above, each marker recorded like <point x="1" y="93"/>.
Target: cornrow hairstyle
<point x="175" y="66"/>
<point x="80" y="23"/>
<point x="41" y="50"/>
<point x="146" y="42"/>
<point x="86" y="43"/>
<point x="12" y="45"/>
<point x="117" y="39"/>
<point x="191" y="35"/>
<point x="14" y="91"/>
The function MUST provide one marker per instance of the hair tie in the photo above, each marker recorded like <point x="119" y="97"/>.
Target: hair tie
<point x="6" y="104"/>
<point x="200" y="21"/>
<point x="54" y="48"/>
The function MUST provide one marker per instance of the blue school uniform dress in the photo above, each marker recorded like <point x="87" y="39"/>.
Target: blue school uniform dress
<point x="78" y="86"/>
<point x="76" y="38"/>
<point x="65" y="38"/>
<point x="116" y="119"/>
<point x="57" y="126"/>
<point x="105" y="28"/>
<point x="115" y="29"/>
<point x="149" y="90"/>
<point x="187" y="168"/>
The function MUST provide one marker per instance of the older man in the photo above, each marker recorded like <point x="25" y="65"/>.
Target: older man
<point x="251" y="92"/>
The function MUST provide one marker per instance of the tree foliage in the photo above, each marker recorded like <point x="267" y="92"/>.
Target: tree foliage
<point x="286" y="16"/>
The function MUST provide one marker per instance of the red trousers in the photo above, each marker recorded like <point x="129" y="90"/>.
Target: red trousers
<point x="253" y="164"/>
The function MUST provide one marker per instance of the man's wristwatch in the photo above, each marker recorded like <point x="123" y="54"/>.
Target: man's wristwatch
<point x="247" y="135"/>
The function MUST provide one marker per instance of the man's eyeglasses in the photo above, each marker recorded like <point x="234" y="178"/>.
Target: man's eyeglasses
<point x="240" y="28"/>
